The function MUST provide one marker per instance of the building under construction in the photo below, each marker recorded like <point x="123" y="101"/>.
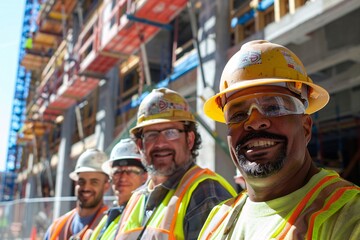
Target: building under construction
<point x="88" y="64"/>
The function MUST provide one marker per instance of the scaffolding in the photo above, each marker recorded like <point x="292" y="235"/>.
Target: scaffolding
<point x="22" y="82"/>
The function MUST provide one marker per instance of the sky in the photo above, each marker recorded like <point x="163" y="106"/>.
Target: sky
<point x="11" y="18"/>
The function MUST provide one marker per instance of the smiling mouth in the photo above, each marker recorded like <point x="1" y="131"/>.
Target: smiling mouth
<point x="162" y="154"/>
<point x="259" y="144"/>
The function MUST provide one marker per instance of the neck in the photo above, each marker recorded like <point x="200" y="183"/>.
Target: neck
<point x="157" y="180"/>
<point x="86" y="212"/>
<point x="279" y="185"/>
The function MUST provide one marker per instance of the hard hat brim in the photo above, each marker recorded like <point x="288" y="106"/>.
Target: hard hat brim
<point x="74" y="175"/>
<point x="106" y="166"/>
<point x="157" y="121"/>
<point x="215" y="112"/>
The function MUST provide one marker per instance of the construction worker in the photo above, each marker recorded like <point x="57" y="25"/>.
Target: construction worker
<point x="91" y="184"/>
<point x="265" y="100"/>
<point x="174" y="202"/>
<point x="127" y="174"/>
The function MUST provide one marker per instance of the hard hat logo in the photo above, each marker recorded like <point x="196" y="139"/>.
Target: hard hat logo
<point x="261" y="63"/>
<point x="250" y="58"/>
<point x="162" y="105"/>
<point x="291" y="63"/>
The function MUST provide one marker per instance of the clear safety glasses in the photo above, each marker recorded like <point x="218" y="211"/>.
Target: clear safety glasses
<point x="268" y="104"/>
<point x="116" y="173"/>
<point x="169" y="134"/>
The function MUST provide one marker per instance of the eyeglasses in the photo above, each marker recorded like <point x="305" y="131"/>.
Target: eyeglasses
<point x="268" y="104"/>
<point x="169" y="134"/>
<point x="128" y="171"/>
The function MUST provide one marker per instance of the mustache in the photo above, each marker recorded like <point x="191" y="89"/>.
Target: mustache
<point x="158" y="150"/>
<point x="260" y="134"/>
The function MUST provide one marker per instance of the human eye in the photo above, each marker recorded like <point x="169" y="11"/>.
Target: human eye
<point x="81" y="182"/>
<point x="236" y="117"/>
<point x="151" y="135"/>
<point x="171" y="133"/>
<point x="94" y="182"/>
<point x="272" y="108"/>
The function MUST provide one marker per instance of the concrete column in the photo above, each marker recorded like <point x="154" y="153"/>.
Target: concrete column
<point x="105" y="117"/>
<point x="214" y="38"/>
<point x="63" y="185"/>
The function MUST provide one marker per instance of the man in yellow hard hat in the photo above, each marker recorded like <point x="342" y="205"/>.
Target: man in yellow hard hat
<point x="91" y="183"/>
<point x="127" y="174"/>
<point x="178" y="196"/>
<point x="265" y="100"/>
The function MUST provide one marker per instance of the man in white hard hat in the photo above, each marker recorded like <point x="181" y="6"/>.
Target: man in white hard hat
<point x="265" y="100"/>
<point x="91" y="183"/>
<point x="175" y="201"/>
<point x="127" y="174"/>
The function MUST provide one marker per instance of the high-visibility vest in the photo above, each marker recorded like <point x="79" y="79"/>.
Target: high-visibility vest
<point x="167" y="219"/>
<point x="318" y="205"/>
<point x="109" y="232"/>
<point x="61" y="228"/>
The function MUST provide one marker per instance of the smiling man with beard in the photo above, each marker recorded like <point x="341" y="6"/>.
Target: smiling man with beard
<point x="265" y="99"/>
<point x="175" y="201"/>
<point x="127" y="174"/>
<point x="91" y="184"/>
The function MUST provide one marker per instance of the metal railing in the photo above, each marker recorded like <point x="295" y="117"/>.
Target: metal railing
<point x="29" y="218"/>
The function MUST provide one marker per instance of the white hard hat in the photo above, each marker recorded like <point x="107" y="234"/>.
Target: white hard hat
<point x="124" y="153"/>
<point x="89" y="161"/>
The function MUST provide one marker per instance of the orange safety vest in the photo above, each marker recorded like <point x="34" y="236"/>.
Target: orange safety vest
<point x="166" y="221"/>
<point x="61" y="228"/>
<point x="330" y="192"/>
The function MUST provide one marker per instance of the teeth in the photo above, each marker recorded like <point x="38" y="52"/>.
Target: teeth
<point x="261" y="144"/>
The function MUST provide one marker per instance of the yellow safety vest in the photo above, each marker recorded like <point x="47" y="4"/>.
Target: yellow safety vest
<point x="110" y="230"/>
<point x="166" y="221"/>
<point x="318" y="205"/>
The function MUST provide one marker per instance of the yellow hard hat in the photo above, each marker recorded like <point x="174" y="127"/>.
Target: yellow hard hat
<point x="260" y="63"/>
<point x="160" y="106"/>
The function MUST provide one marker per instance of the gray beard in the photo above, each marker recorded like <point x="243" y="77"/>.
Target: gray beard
<point x="260" y="170"/>
<point x="165" y="172"/>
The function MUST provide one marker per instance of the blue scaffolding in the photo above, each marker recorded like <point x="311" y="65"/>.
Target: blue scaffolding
<point x="18" y="116"/>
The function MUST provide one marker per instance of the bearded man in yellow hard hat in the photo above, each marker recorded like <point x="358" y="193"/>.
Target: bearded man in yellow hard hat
<point x="178" y="196"/>
<point x="265" y="100"/>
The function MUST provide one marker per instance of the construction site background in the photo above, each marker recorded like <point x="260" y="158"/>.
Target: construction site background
<point x="84" y="67"/>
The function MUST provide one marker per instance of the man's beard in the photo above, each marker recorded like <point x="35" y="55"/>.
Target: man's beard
<point x="90" y="203"/>
<point x="261" y="170"/>
<point x="169" y="170"/>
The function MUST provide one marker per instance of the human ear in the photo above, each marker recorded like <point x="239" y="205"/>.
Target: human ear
<point x="190" y="139"/>
<point x="307" y="125"/>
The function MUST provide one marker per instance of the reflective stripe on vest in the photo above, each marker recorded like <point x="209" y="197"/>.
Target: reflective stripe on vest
<point x="330" y="193"/>
<point x="61" y="227"/>
<point x="99" y="227"/>
<point x="167" y="219"/>
<point x="59" y="224"/>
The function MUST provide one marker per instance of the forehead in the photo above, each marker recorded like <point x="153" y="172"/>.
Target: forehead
<point x="91" y="175"/>
<point x="161" y="126"/>
<point x="125" y="168"/>
<point x="258" y="89"/>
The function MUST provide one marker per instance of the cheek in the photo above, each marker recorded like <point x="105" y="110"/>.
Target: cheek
<point x="296" y="135"/>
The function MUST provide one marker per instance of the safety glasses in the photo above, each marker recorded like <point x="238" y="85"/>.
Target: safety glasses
<point x="268" y="104"/>
<point x="116" y="172"/>
<point x="169" y="134"/>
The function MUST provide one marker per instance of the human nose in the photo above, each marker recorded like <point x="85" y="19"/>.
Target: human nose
<point x="256" y="120"/>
